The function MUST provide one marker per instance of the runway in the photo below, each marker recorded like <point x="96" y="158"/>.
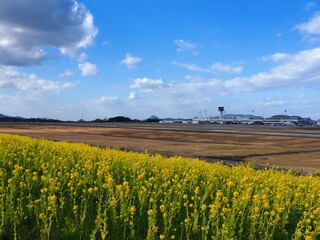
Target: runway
<point x="310" y="132"/>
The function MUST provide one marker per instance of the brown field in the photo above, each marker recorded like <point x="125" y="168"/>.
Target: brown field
<point x="299" y="153"/>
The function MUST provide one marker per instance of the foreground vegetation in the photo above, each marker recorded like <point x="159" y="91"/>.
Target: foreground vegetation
<point x="56" y="190"/>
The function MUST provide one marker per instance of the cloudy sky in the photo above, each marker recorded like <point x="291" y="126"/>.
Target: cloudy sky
<point x="68" y="59"/>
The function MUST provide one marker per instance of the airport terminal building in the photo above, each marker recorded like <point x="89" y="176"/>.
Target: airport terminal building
<point x="280" y="119"/>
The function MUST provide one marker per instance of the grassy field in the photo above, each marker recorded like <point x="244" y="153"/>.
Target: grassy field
<point x="59" y="190"/>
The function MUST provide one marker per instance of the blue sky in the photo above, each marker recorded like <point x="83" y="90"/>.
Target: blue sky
<point x="69" y="59"/>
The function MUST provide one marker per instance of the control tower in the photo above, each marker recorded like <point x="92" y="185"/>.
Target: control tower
<point x="221" y="110"/>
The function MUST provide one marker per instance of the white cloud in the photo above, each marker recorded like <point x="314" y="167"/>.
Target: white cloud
<point x="214" y="68"/>
<point x="277" y="57"/>
<point x="147" y="84"/>
<point x="194" y="78"/>
<point x="293" y="70"/>
<point x="88" y="69"/>
<point x="311" y="29"/>
<point x="130" y="61"/>
<point x="63" y="24"/>
<point x="66" y="73"/>
<point x="108" y="100"/>
<point x="300" y="69"/>
<point x="312" y="26"/>
<point x="133" y="96"/>
<point x="29" y="84"/>
<point x="199" y="85"/>
<point x="191" y="67"/>
<point x="303" y="65"/>
<point x="271" y="102"/>
<point x="222" y="68"/>
<point x="188" y="46"/>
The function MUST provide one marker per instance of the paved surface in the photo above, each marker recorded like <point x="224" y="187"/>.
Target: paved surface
<point x="313" y="132"/>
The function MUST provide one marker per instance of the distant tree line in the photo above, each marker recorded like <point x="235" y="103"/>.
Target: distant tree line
<point x="98" y="120"/>
<point x="18" y="119"/>
<point x="124" y="119"/>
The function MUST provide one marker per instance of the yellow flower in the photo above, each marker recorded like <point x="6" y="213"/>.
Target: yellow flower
<point x="110" y="180"/>
<point x="51" y="180"/>
<point x="125" y="183"/>
<point x="236" y="194"/>
<point x="52" y="199"/>
<point x="299" y="234"/>
<point x="150" y="212"/>
<point x="113" y="202"/>
<point x="132" y="209"/>
<point x="162" y="208"/>
<point x="230" y="184"/>
<point x="42" y="216"/>
<point x="141" y="176"/>
<point x="266" y="205"/>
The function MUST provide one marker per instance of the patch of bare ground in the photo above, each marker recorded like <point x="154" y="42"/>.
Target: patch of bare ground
<point x="303" y="161"/>
<point x="290" y="152"/>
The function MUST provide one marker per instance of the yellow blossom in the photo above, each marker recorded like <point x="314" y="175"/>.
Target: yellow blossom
<point x="150" y="212"/>
<point x="162" y="208"/>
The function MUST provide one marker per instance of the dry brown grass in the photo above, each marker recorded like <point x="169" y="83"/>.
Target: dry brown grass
<point x="298" y="153"/>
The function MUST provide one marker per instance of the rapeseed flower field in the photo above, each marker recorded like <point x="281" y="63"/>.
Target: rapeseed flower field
<point x="59" y="190"/>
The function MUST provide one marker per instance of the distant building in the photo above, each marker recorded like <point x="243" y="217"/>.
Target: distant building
<point x="247" y="119"/>
<point x="280" y="119"/>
